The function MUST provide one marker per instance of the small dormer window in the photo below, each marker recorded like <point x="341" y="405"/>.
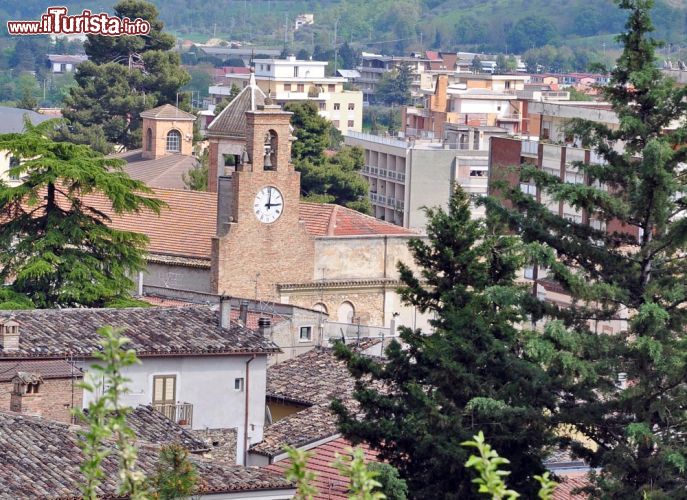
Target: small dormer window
<point x="173" y="141"/>
<point x="32" y="388"/>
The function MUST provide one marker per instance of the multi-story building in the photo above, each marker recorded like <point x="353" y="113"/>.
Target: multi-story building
<point x="465" y="98"/>
<point x="373" y="66"/>
<point x="288" y="80"/>
<point x="406" y="175"/>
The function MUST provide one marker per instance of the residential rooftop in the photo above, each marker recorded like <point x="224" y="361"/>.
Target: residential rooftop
<point x="154" y="331"/>
<point x="153" y="427"/>
<point x="41" y="459"/>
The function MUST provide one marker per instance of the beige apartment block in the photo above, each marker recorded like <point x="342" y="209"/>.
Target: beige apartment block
<point x="291" y="80"/>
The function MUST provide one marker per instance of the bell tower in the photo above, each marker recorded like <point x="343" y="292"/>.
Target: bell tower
<point x="260" y="239"/>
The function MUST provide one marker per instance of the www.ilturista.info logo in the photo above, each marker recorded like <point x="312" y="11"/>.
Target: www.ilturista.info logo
<point x="56" y="22"/>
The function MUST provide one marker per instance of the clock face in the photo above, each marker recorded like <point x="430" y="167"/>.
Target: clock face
<point x="268" y="205"/>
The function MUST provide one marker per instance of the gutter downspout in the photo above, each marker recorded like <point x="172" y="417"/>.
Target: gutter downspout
<point x="245" y="417"/>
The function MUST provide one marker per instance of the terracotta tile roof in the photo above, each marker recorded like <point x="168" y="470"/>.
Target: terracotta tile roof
<point x="330" y="484"/>
<point x="323" y="219"/>
<point x="154" y="331"/>
<point x="314" y="378"/>
<point x="152" y="426"/>
<point x="48" y="368"/>
<point x="168" y="112"/>
<point x="40" y="459"/>
<point x="231" y="121"/>
<point x="165" y="172"/>
<point x="184" y="228"/>
<point x="568" y="484"/>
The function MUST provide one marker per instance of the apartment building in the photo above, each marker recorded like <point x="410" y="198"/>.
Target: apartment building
<point x="373" y="66"/>
<point x="405" y="175"/>
<point x="289" y="80"/>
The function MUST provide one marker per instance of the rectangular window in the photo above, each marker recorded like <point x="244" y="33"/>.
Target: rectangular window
<point x="350" y="123"/>
<point x="529" y="273"/>
<point x="269" y="67"/>
<point x="530" y="189"/>
<point x="287" y="87"/>
<point x="335" y="123"/>
<point x="295" y="71"/>
<point x="331" y="87"/>
<point x="337" y="106"/>
<point x="305" y="334"/>
<point x="238" y="384"/>
<point x="164" y="389"/>
<point x="301" y="87"/>
<point x="323" y="106"/>
<point x="351" y="106"/>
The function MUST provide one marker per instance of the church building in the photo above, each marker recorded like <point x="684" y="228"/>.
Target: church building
<point x="251" y="235"/>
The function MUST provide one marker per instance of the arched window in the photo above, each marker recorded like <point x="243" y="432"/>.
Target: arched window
<point x="346" y="312"/>
<point x="271" y="147"/>
<point x="149" y="139"/>
<point x="173" y="141"/>
<point x="320" y="307"/>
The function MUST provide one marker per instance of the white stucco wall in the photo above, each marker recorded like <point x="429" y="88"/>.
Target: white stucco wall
<point x="207" y="382"/>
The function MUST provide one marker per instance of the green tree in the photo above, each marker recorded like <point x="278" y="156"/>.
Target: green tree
<point x="501" y="64"/>
<point x="633" y="431"/>
<point x="196" y="179"/>
<point x="476" y="64"/>
<point x="124" y="76"/>
<point x="528" y="32"/>
<point x="394" y="86"/>
<point x="107" y="49"/>
<point x="299" y="474"/>
<point x="363" y="483"/>
<point x="326" y="179"/>
<point x="106" y="419"/>
<point x="56" y="249"/>
<point x="470" y="373"/>
<point x="392" y="485"/>
<point x="233" y="92"/>
<point x="175" y="476"/>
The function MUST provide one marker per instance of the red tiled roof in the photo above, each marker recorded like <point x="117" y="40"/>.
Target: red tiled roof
<point x="334" y="220"/>
<point x="330" y="484"/>
<point x="570" y="483"/>
<point x="184" y="228"/>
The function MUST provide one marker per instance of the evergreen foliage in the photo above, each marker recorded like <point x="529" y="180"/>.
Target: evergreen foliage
<point x="633" y="275"/>
<point x="468" y="375"/>
<point x="391" y="484"/>
<point x="56" y="249"/>
<point x="393" y="88"/>
<point x="175" y="476"/>
<point x="124" y="76"/>
<point x="326" y="179"/>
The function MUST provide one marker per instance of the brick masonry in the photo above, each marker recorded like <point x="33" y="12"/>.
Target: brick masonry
<point x="252" y="257"/>
<point x="53" y="400"/>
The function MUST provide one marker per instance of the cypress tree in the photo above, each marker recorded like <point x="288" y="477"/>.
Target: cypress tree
<point x="635" y="431"/>
<point x="468" y="375"/>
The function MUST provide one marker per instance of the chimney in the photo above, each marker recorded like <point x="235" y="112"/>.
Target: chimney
<point x="225" y="311"/>
<point x="9" y="335"/>
<point x="265" y="327"/>
<point x="243" y="313"/>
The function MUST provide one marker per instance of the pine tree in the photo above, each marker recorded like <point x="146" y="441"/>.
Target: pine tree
<point x="56" y="249"/>
<point x="468" y="375"/>
<point x="635" y="431"/>
<point x="123" y="76"/>
<point x="175" y="476"/>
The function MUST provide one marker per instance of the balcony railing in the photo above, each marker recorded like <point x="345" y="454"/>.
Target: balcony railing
<point x="181" y="413"/>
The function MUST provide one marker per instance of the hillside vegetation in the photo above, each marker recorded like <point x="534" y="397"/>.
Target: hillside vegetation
<point x="509" y="26"/>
